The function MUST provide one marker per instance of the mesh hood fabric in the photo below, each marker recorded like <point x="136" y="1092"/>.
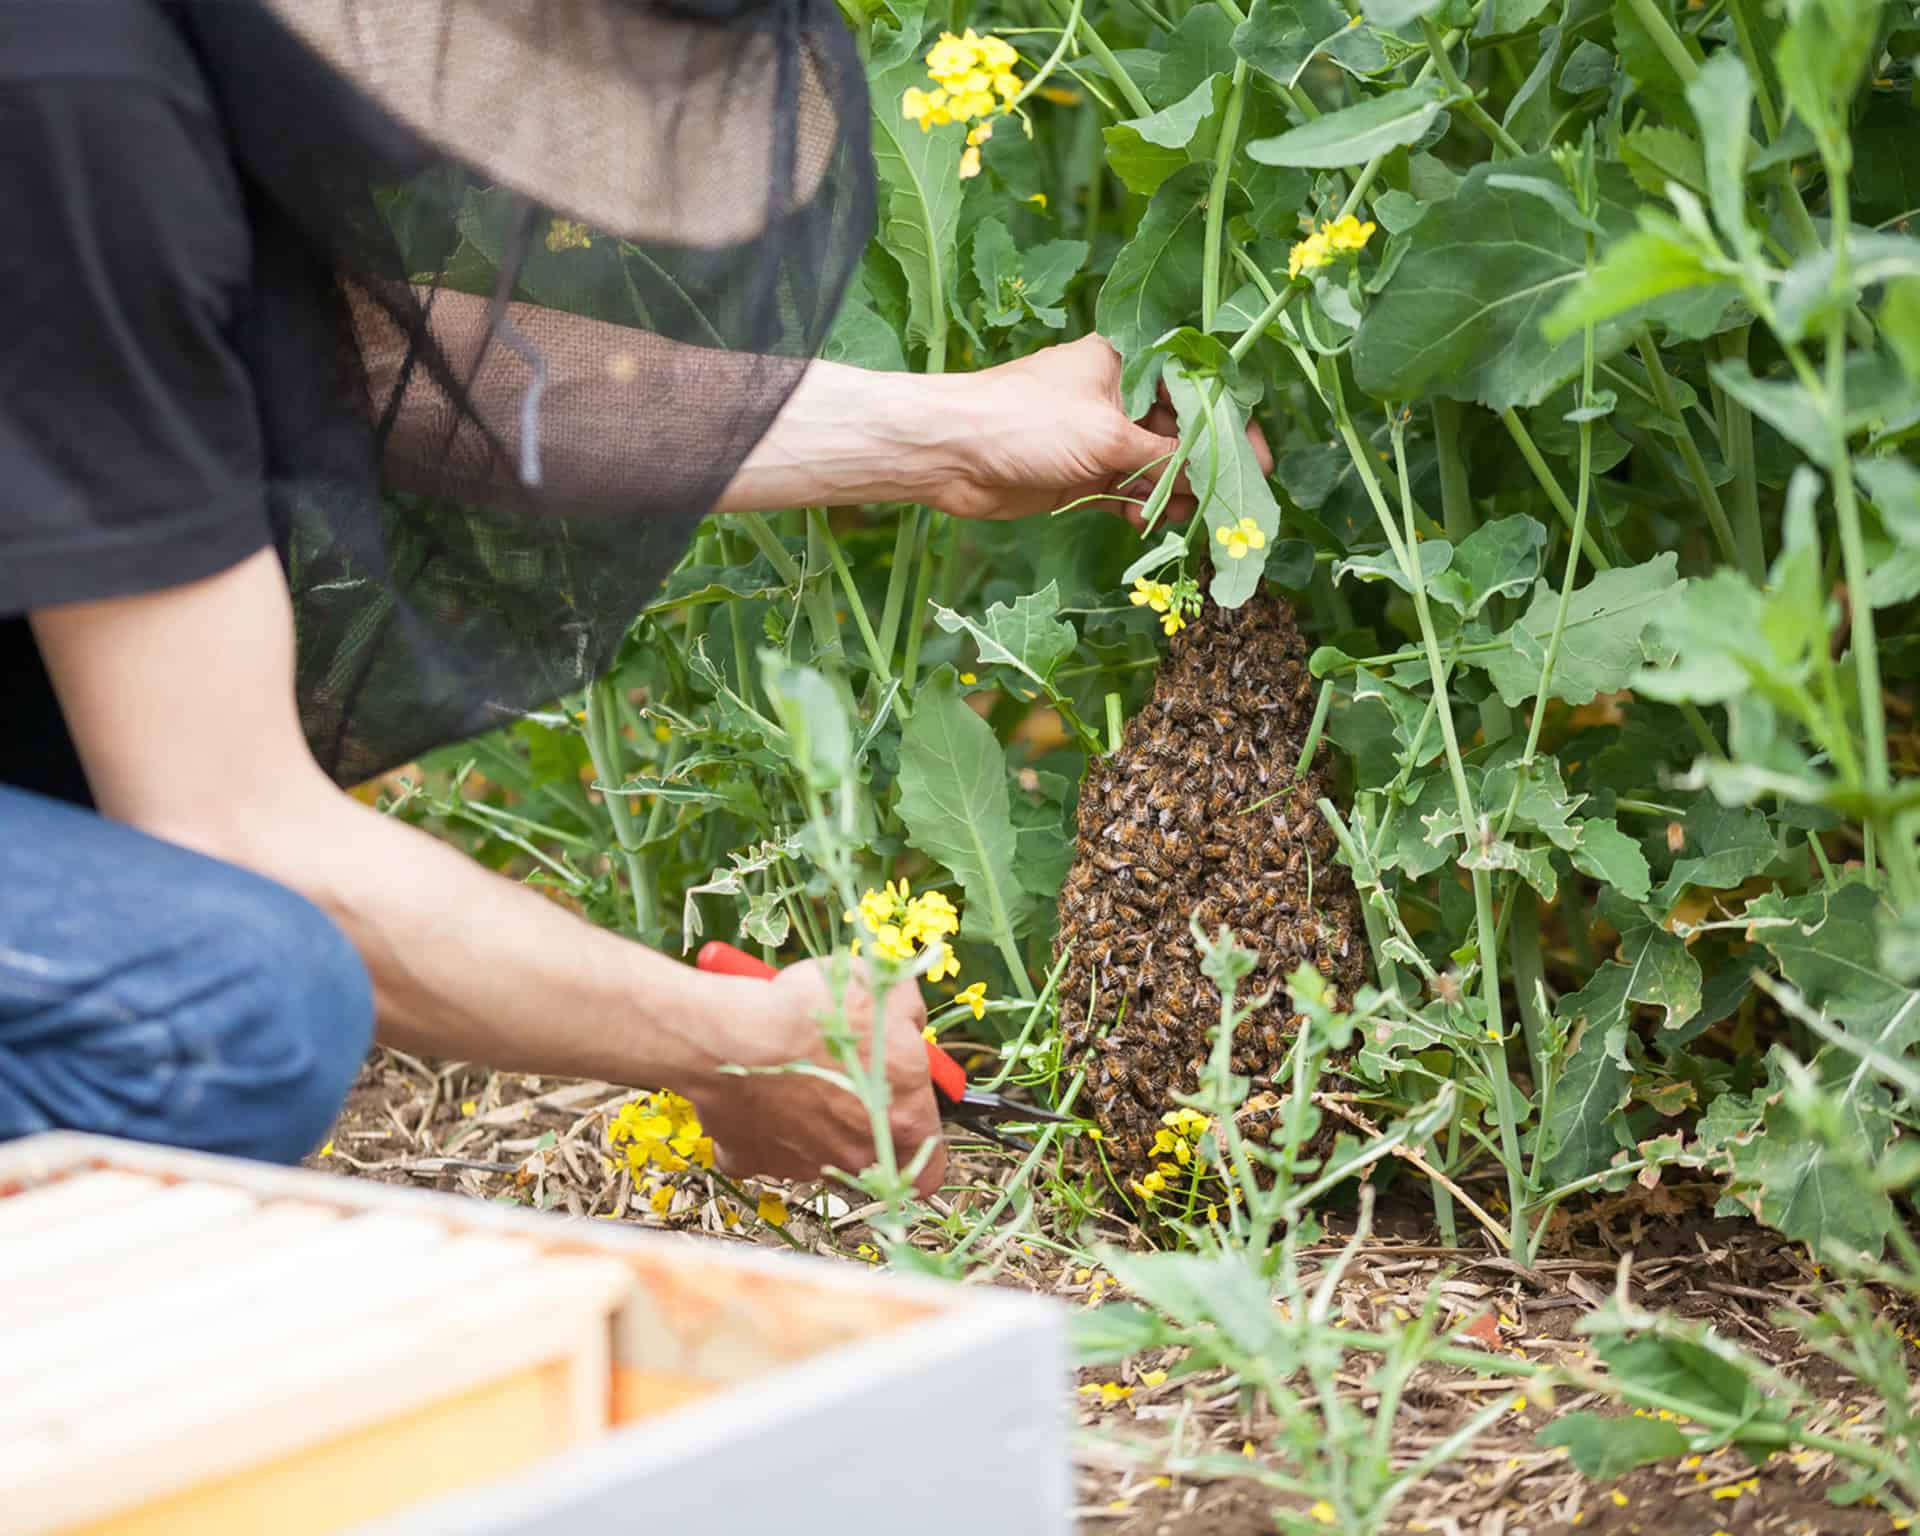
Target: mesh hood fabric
<point x="532" y="279"/>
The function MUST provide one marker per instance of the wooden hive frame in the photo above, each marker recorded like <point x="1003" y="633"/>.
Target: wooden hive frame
<point x="735" y="1389"/>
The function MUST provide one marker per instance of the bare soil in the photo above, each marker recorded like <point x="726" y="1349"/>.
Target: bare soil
<point x="542" y="1143"/>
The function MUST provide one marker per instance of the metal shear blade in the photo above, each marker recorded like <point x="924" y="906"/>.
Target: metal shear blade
<point x="983" y="1113"/>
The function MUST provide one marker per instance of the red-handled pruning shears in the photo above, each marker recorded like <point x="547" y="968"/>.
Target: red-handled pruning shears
<point x="979" y="1112"/>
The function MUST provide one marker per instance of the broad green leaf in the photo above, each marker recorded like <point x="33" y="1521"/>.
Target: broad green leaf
<point x="1145" y="151"/>
<point x="1655" y="154"/>
<point x="1115" y="1331"/>
<point x="1280" y="38"/>
<point x="1613" y="858"/>
<point x="1827" y="945"/>
<point x="1016" y="284"/>
<point x="1642" y="60"/>
<point x="1355" y="134"/>
<point x="1578" y="1136"/>
<point x="1227" y="479"/>
<point x="1647" y="265"/>
<point x="954" y="804"/>
<point x="1154" y="283"/>
<point x="1894" y="486"/>
<point x="1027" y="635"/>
<point x="1498" y="559"/>
<point x="691" y="586"/>
<point x="1698" y="1381"/>
<point x="1434" y="556"/>
<point x="1393" y="14"/>
<point x="900" y="42"/>
<point x="1725" y="845"/>
<point x="920" y="205"/>
<point x="1588" y="68"/>
<point x="1661" y="972"/>
<point x="1200" y="48"/>
<point x="1461" y="315"/>
<point x="1553" y="193"/>
<point x="1534" y="865"/>
<point x="861" y="336"/>
<point x="1601" y="648"/>
<point x="1787" y="408"/>
<point x="1605" y="1448"/>
<point x="1721" y="97"/>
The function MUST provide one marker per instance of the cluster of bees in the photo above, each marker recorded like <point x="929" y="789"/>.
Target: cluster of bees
<point x="1200" y="814"/>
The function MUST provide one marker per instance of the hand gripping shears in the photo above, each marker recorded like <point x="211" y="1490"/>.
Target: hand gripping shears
<point x="980" y="1112"/>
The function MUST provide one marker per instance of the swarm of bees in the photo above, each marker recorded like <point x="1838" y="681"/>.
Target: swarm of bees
<point x="1200" y="813"/>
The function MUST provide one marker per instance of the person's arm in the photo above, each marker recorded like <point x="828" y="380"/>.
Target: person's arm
<point x="181" y="705"/>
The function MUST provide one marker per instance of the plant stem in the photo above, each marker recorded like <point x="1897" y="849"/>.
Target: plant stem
<point x="1116" y="71"/>
<point x="1672" y="47"/>
<point x="603" y="749"/>
<point x="1703" y="486"/>
<point x="917" y="616"/>
<point x="818" y="527"/>
<point x="1493" y="1050"/>
<point x="1523" y="440"/>
<point x="906" y="541"/>
<point x="1438" y="50"/>
<point x="1217" y="195"/>
<point x="1736" y="443"/>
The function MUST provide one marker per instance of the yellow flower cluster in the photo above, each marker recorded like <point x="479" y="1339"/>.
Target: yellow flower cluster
<point x="1158" y="595"/>
<point x="1176" y="1141"/>
<point x="973" y="78"/>
<point x="566" y="235"/>
<point x="974" y="999"/>
<point x="661" y="1130"/>
<point x="1241" y="537"/>
<point x="1342" y="236"/>
<point x="904" y="925"/>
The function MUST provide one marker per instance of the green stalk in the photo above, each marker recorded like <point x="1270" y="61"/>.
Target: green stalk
<point x="906" y="539"/>
<point x="1523" y="440"/>
<point x="818" y="528"/>
<point x="737" y="620"/>
<point x="1456" y="510"/>
<point x="603" y="750"/>
<point x="1438" y="50"/>
<point x="1217" y="195"/>
<point x="917" y="618"/>
<point x="1115" y="70"/>
<point x="1736" y="442"/>
<point x="1899" y="851"/>
<point x="1672" y="48"/>
<point x="1523" y="948"/>
<point x="1703" y="486"/>
<point x="1493" y="1050"/>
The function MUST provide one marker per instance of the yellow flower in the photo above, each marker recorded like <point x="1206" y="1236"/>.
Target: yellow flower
<point x="975" y="998"/>
<point x="1039" y="199"/>
<point x="945" y="962"/>
<point x="1157" y="595"/>
<point x="660" y="1197"/>
<point x="969" y="678"/>
<point x="771" y="1209"/>
<point x="469" y="1107"/>
<point x="1152" y="1378"/>
<point x="868" y="1252"/>
<point x="1241" y="537"/>
<point x="662" y="1131"/>
<point x="1060" y="95"/>
<point x="1347" y="233"/>
<point x="978" y="134"/>
<point x="997" y="54"/>
<point x="1323" y="1512"/>
<point x="566" y="235"/>
<point x="327" y="1150"/>
<point x="951" y="56"/>
<point x="1308" y="254"/>
<point x="931" y="915"/>
<point x="1172" y="623"/>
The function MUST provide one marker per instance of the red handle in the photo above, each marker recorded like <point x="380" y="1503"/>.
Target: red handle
<point x="722" y="959"/>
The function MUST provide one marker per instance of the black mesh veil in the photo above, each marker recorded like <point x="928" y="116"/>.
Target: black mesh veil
<point x="533" y="277"/>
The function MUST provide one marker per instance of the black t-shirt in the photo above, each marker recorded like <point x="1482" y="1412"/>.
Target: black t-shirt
<point x="130" y="442"/>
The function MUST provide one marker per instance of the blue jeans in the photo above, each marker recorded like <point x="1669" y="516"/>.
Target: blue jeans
<point x="152" y="993"/>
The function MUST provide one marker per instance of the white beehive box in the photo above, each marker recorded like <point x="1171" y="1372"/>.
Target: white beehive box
<point x="192" y="1346"/>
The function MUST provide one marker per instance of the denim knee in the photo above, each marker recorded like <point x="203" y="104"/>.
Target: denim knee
<point x="311" y="1030"/>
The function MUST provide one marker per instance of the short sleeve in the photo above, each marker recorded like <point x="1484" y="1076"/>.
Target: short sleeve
<point x="130" y="444"/>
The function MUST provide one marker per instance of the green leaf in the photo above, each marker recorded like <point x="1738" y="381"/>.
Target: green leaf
<point x="1145" y="151"/>
<point x="1226" y="477"/>
<point x="1643" y="61"/>
<point x="1355" y="134"/>
<point x="1578" y="1137"/>
<point x="1461" y="315"/>
<point x="1601" y="648"/>
<point x="819" y="734"/>
<point x="1820" y="58"/>
<point x="1588" y="68"/>
<point x="1900" y="323"/>
<point x="861" y="336"/>
<point x="1647" y="265"/>
<point x="1016" y="284"/>
<point x="1613" y="858"/>
<point x="1554" y="194"/>
<point x="1498" y="559"/>
<point x="1655" y="154"/>
<point x="1027" y="635"/>
<point x="1894" y="486"/>
<point x="1787" y="408"/>
<point x="692" y="586"/>
<point x="1434" y="556"/>
<point x="1827" y="945"/>
<point x="1115" y="1331"/>
<point x="1721" y="97"/>
<point x="1605" y="1448"/>
<point x="1725" y="845"/>
<point x="919" y="173"/>
<point x="1154" y="283"/>
<point x="1699" y="1382"/>
<point x="1661" y="972"/>
<point x="1280" y="38"/>
<point x="1201" y="47"/>
<point x="954" y="804"/>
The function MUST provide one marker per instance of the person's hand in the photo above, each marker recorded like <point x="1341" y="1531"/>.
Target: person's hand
<point x="791" y="1124"/>
<point x="1048" y="430"/>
